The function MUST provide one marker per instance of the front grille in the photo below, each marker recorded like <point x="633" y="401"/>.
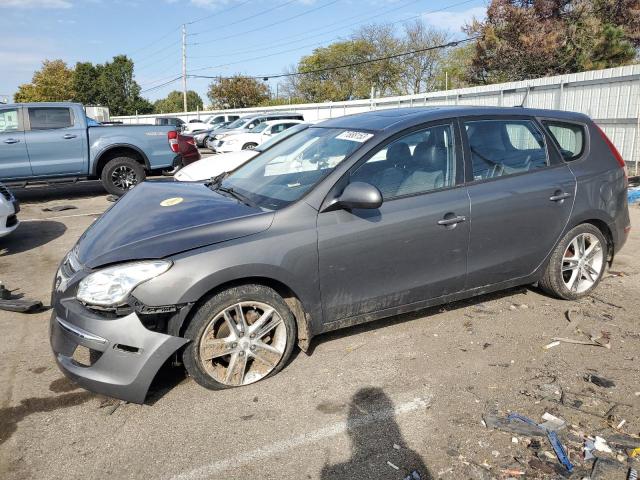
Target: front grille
<point x="12" y="221"/>
<point x="4" y="191"/>
<point x="71" y="265"/>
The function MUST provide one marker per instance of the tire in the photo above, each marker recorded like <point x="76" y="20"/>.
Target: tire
<point x="249" y="146"/>
<point x="211" y="334"/>
<point x="566" y="276"/>
<point x="120" y="174"/>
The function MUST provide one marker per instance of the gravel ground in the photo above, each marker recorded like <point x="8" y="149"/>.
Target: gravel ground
<point x="372" y="402"/>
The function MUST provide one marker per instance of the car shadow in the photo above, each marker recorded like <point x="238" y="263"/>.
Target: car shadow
<point x="30" y="235"/>
<point x="376" y="442"/>
<point x="426" y="312"/>
<point x="61" y="191"/>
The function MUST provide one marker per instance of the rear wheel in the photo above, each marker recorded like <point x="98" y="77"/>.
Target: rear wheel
<point x="577" y="263"/>
<point x="239" y="337"/>
<point x="249" y="146"/>
<point x="121" y="174"/>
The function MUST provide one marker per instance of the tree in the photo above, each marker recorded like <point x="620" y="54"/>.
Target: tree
<point x="85" y="83"/>
<point x="419" y="70"/>
<point x="174" y="102"/>
<point x="533" y="38"/>
<point x="454" y="68"/>
<point x="52" y="83"/>
<point x="237" y="92"/>
<point x="118" y="90"/>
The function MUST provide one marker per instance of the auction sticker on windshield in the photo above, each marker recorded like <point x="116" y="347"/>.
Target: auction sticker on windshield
<point x="354" y="136"/>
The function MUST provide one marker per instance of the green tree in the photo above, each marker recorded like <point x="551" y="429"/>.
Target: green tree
<point x="532" y="38"/>
<point x="85" y="83"/>
<point x="174" y="102"/>
<point x="419" y="70"/>
<point x="117" y="88"/>
<point x="237" y="92"/>
<point x="52" y="83"/>
<point x="454" y="68"/>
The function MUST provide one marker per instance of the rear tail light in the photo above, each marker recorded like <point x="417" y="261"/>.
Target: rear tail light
<point x="173" y="141"/>
<point x="614" y="152"/>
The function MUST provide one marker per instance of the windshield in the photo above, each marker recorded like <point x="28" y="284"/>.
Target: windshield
<point x="259" y="128"/>
<point x="281" y="136"/>
<point x="284" y="173"/>
<point x="238" y="123"/>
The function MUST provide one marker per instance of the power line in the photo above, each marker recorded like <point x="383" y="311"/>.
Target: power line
<point x="198" y="69"/>
<point x="179" y="77"/>
<point x="237" y="5"/>
<point x="238" y="34"/>
<point x="353" y="64"/>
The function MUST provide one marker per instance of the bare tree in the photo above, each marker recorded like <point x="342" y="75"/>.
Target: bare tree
<point x="420" y="70"/>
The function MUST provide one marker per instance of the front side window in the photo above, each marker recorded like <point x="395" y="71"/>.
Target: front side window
<point x="570" y="138"/>
<point x="49" y="118"/>
<point x="285" y="172"/>
<point x="259" y="128"/>
<point x="9" y="120"/>
<point x="505" y="147"/>
<point x="420" y="162"/>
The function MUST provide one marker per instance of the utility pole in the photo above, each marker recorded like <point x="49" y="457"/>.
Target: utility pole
<point x="184" y="66"/>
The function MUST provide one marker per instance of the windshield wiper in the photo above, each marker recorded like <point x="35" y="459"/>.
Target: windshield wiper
<point x="214" y="182"/>
<point x="234" y="194"/>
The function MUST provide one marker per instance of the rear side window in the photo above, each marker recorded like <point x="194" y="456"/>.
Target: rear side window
<point x="505" y="147"/>
<point x="570" y="138"/>
<point x="49" y="118"/>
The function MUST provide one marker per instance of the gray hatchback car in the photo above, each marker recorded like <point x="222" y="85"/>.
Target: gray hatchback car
<point x="351" y="220"/>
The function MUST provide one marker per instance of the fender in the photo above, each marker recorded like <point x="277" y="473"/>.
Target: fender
<point x="113" y="146"/>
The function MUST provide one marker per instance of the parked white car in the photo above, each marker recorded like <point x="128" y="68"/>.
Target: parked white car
<point x="8" y="211"/>
<point x="214" y="165"/>
<point x="209" y="123"/>
<point x="234" y="142"/>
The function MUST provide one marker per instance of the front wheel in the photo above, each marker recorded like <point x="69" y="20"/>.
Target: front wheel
<point x="249" y="146"/>
<point x="239" y="337"/>
<point x="577" y="263"/>
<point x="121" y="174"/>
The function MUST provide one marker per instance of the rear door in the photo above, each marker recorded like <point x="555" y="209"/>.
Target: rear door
<point x="521" y="195"/>
<point x="14" y="159"/>
<point x="414" y="247"/>
<point x="56" y="141"/>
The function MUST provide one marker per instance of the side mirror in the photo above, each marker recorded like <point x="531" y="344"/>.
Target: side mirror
<point x="359" y="195"/>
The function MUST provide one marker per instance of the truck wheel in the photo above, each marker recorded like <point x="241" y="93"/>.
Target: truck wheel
<point x="121" y="174"/>
<point x="249" y="146"/>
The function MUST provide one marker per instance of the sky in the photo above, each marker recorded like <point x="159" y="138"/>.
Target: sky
<point x="224" y="37"/>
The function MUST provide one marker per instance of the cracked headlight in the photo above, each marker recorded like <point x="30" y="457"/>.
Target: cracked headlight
<point x="111" y="286"/>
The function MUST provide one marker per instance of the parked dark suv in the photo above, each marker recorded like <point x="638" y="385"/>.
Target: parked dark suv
<point x="350" y="220"/>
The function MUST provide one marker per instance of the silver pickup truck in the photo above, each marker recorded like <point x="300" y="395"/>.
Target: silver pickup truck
<point x="47" y="142"/>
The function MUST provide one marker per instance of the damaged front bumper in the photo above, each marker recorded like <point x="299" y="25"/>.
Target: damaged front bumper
<point x="124" y="356"/>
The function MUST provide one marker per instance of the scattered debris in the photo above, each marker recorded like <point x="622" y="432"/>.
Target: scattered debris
<point x="593" y="342"/>
<point x="16" y="303"/>
<point x="600" y="444"/>
<point x="510" y="425"/>
<point x="112" y="198"/>
<point x="396" y="446"/>
<point x="551" y="345"/>
<point x="395" y="467"/>
<point x="59" y="208"/>
<point x="512" y="472"/>
<point x="415" y="475"/>
<point x="552" y="422"/>
<point x="633" y="474"/>
<point x="599" y="381"/>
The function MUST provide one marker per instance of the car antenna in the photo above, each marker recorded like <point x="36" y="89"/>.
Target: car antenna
<point x="524" y="99"/>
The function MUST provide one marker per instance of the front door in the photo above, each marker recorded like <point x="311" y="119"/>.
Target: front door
<point x="414" y="247"/>
<point x="14" y="159"/>
<point x="56" y="141"/>
<point x="521" y="197"/>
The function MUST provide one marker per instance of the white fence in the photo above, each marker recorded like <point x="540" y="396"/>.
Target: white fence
<point x="611" y="97"/>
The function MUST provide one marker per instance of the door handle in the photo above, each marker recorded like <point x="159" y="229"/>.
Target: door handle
<point x="69" y="136"/>
<point x="11" y="140"/>
<point x="451" y="221"/>
<point x="558" y="197"/>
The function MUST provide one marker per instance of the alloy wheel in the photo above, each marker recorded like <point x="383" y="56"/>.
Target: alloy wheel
<point x="582" y="263"/>
<point x="124" y="177"/>
<point x="243" y="343"/>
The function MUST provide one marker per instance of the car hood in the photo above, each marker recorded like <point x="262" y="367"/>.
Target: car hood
<point x="214" y="165"/>
<point x="157" y="219"/>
